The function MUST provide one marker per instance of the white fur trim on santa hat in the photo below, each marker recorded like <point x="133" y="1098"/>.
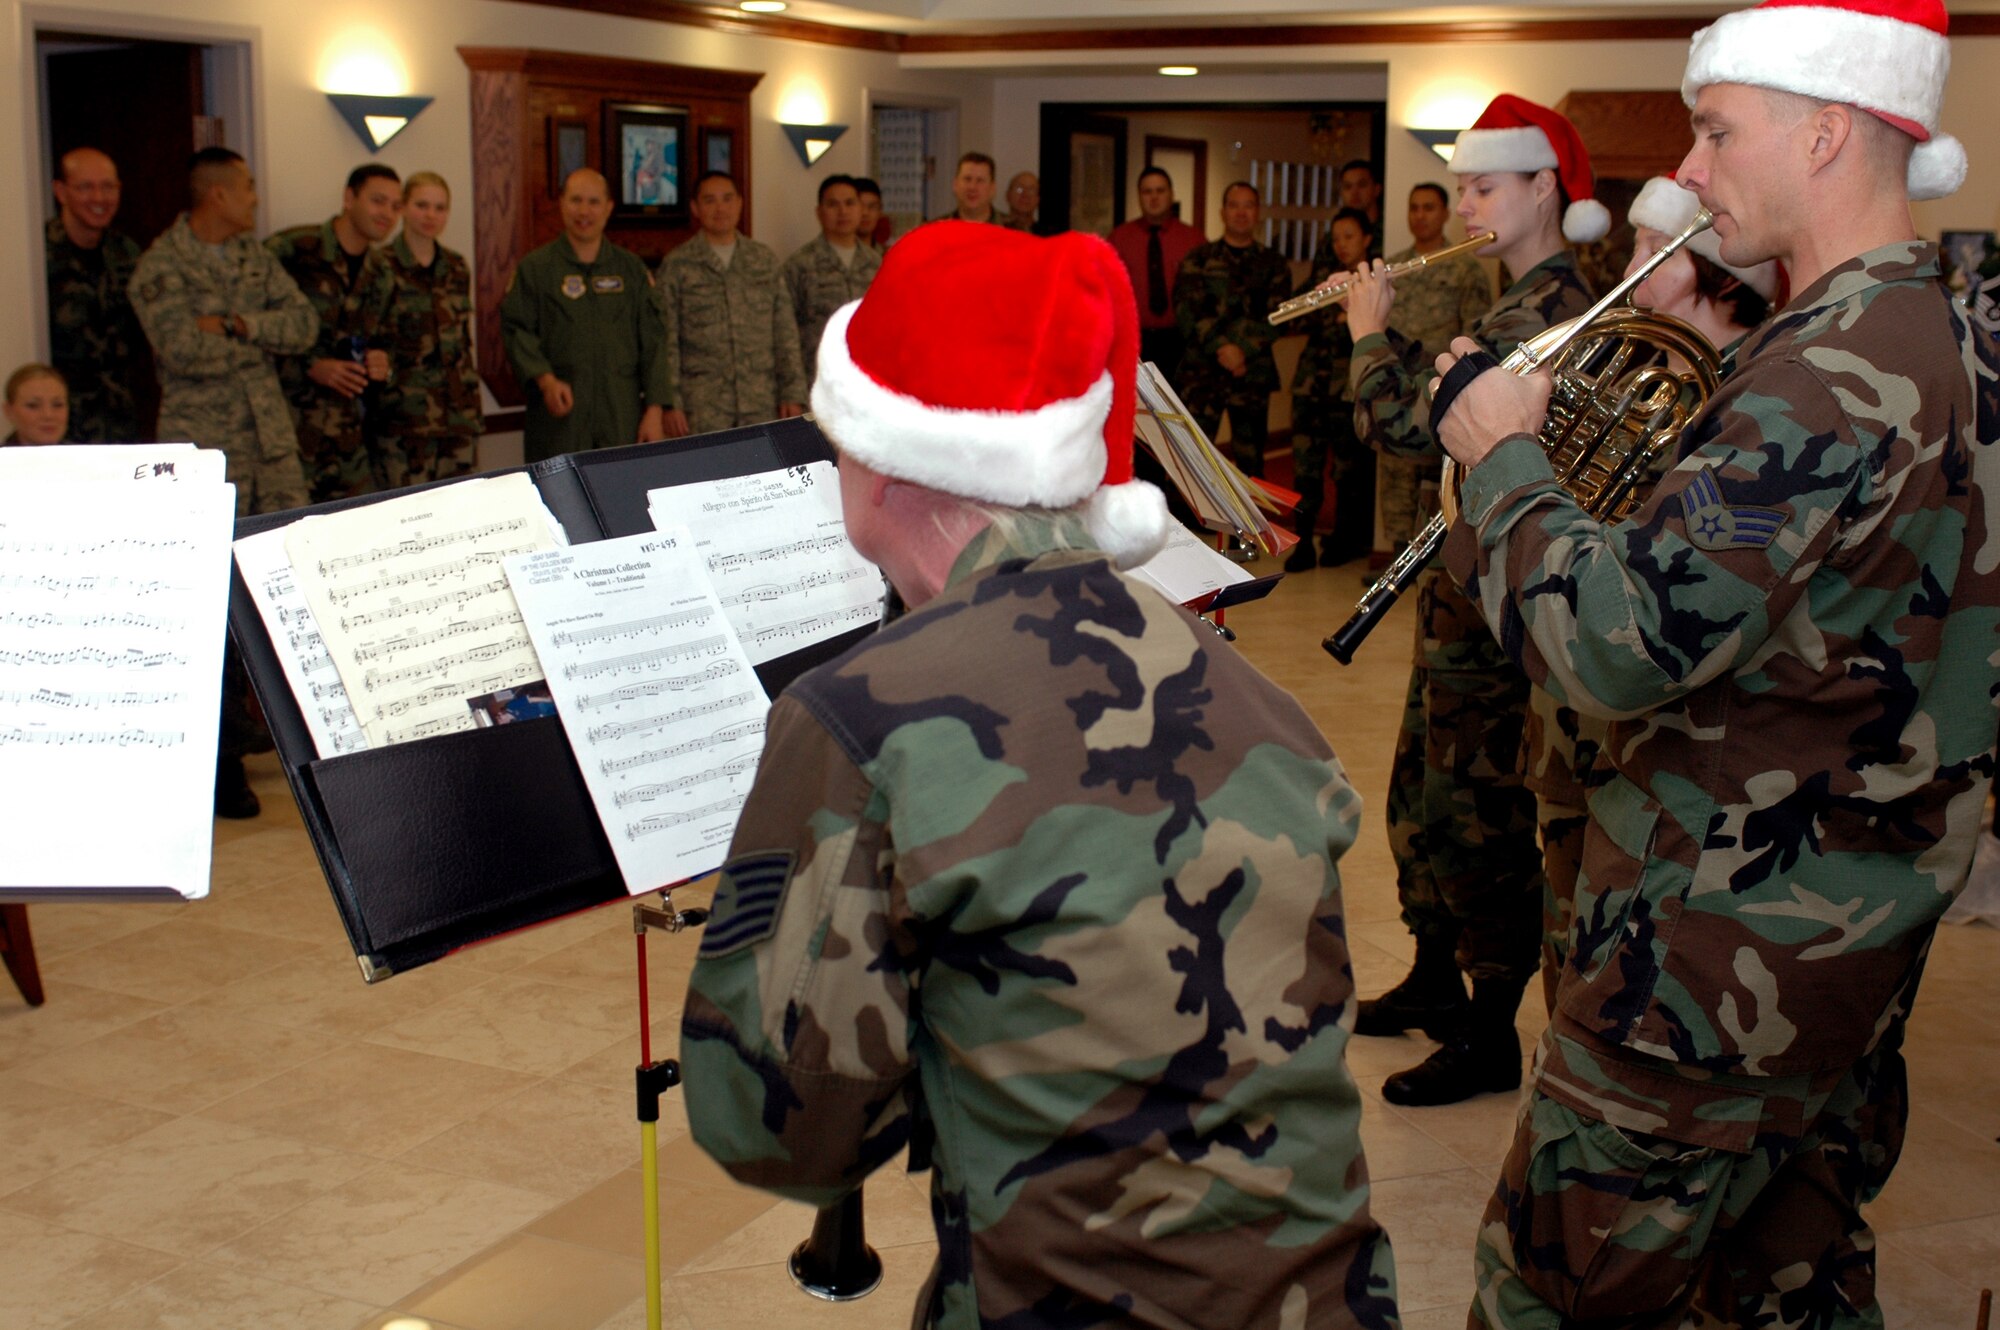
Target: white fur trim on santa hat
<point x="1937" y="168"/>
<point x="1586" y="220"/>
<point x="1868" y="60"/>
<point x="1523" y="148"/>
<point x="1053" y="456"/>
<point x="1128" y="522"/>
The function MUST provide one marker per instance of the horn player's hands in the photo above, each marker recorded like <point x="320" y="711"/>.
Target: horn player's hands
<point x="1368" y="300"/>
<point x="1495" y="406"/>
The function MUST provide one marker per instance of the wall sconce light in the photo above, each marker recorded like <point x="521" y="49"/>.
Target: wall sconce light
<point x="1439" y="141"/>
<point x="376" y="120"/>
<point x="810" y="142"/>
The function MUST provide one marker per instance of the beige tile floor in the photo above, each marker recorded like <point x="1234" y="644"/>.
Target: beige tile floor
<point x="213" y="1123"/>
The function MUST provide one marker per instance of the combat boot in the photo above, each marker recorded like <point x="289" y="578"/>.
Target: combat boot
<point x="1482" y="1057"/>
<point x="1431" y="997"/>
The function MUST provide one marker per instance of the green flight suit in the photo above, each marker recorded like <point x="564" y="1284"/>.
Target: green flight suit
<point x="596" y="326"/>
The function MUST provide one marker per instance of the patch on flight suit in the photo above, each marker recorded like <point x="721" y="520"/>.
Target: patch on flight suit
<point x="1714" y="525"/>
<point x="746" y="902"/>
<point x="572" y="285"/>
<point x="605" y="286"/>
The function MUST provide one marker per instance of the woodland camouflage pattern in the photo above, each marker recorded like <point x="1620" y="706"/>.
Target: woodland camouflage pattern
<point x="818" y="283"/>
<point x="1802" y="674"/>
<point x="1461" y="825"/>
<point x="214" y="390"/>
<point x="1322" y="415"/>
<point x="342" y="452"/>
<point x="732" y="341"/>
<point x="1041" y="878"/>
<point x="1434" y="304"/>
<point x="1224" y="296"/>
<point x="95" y="341"/>
<point x="431" y="413"/>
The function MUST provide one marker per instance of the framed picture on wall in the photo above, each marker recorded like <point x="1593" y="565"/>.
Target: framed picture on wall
<point x="718" y="150"/>
<point x="569" y="151"/>
<point x="646" y="150"/>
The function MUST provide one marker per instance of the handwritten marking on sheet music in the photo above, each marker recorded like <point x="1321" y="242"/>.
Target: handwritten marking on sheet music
<point x="633" y="639"/>
<point x="778" y="552"/>
<point x="379" y="578"/>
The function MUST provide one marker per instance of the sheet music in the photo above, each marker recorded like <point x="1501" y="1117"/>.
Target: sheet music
<point x="308" y="665"/>
<point x="112" y="462"/>
<point x="657" y="695"/>
<point x="112" y="605"/>
<point x="413" y="606"/>
<point x="778" y="554"/>
<point x="1188" y="568"/>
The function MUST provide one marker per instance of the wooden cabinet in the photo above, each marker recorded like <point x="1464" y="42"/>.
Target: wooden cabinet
<point x="533" y="112"/>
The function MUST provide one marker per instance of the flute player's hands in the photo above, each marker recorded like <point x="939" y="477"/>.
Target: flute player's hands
<point x="1369" y="299"/>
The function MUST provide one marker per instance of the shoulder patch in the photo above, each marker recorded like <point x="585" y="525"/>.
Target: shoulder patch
<point x="572" y="285"/>
<point x="746" y="905"/>
<point x="1714" y="525"/>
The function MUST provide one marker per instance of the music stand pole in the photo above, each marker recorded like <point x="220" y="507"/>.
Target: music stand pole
<point x="652" y="1080"/>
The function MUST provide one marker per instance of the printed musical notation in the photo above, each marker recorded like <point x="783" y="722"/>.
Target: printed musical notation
<point x="379" y="579"/>
<point x="775" y="546"/>
<point x="111" y="634"/>
<point x="308" y="667"/>
<point x="617" y="624"/>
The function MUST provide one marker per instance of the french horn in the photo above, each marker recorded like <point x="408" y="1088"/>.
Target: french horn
<point x="1627" y="383"/>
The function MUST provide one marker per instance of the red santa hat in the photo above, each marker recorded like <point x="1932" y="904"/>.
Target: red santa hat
<point x="1889" y="57"/>
<point x="998" y="366"/>
<point x="1664" y="206"/>
<point x="1514" y="134"/>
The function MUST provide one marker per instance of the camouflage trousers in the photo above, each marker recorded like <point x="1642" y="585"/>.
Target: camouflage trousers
<point x="355" y="458"/>
<point x="1323" y="430"/>
<point x="1249" y="427"/>
<point x="1562" y="859"/>
<point x="425" y="457"/>
<point x="1461" y="824"/>
<point x="1409" y="488"/>
<point x="1639" y="1196"/>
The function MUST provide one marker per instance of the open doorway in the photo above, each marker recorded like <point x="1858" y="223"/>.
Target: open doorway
<point x="912" y="149"/>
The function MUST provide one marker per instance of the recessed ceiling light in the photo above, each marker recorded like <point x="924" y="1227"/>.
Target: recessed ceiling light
<point x="761" y="6"/>
<point x="1179" y="71"/>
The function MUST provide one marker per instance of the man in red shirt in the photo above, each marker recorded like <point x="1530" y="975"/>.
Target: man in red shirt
<point x="1153" y="245"/>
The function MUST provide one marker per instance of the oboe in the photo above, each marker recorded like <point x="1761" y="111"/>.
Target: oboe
<point x="1299" y="306"/>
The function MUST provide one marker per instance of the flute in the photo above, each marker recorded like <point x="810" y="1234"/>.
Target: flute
<point x="1299" y="306"/>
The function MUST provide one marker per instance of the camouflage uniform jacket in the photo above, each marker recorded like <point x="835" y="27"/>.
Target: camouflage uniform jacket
<point x="1322" y="370"/>
<point x="1012" y="870"/>
<point x="95" y="341"/>
<point x="595" y="326"/>
<point x="219" y="391"/>
<point x="732" y="339"/>
<point x="1438" y="302"/>
<point x="1392" y="409"/>
<point x="332" y="436"/>
<point x="1795" y="635"/>
<point x="1224" y="296"/>
<point x="818" y="284"/>
<point x="435" y="389"/>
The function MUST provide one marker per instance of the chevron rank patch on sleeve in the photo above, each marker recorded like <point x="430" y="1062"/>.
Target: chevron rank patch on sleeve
<point x="747" y="900"/>
<point x="1714" y="525"/>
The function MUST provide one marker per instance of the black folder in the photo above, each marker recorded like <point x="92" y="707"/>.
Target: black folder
<point x="438" y="843"/>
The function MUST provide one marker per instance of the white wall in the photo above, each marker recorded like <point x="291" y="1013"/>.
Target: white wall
<point x="305" y="149"/>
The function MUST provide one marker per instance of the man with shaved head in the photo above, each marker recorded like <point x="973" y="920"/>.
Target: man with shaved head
<point x="583" y="333"/>
<point x="93" y="337"/>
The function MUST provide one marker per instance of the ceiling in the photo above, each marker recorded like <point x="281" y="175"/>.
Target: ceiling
<point x="969" y="16"/>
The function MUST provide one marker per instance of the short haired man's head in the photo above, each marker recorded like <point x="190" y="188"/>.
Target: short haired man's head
<point x="372" y="199"/>
<point x="717" y="205"/>
<point x="1430" y="208"/>
<point x="1156" y="194"/>
<point x="973" y="183"/>
<point x="586" y="206"/>
<point x="1359" y="186"/>
<point x="222" y="190"/>
<point x="87" y="190"/>
<point x="1024" y="194"/>
<point x="1242" y="209"/>
<point x="839" y="210"/>
<point x="871" y="206"/>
